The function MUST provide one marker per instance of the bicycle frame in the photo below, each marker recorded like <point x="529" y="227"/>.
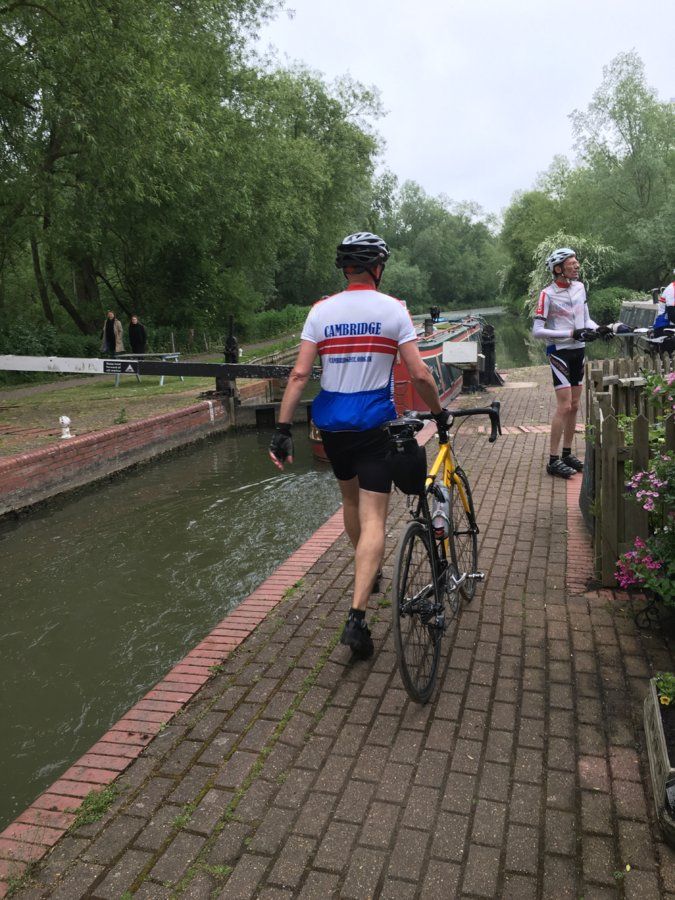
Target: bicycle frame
<point x="431" y="571"/>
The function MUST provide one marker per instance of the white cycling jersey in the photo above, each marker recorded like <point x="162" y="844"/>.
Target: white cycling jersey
<point x="357" y="333"/>
<point x="666" y="299"/>
<point x="561" y="309"/>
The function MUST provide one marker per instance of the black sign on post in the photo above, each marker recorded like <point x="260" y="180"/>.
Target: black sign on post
<point x="120" y="367"/>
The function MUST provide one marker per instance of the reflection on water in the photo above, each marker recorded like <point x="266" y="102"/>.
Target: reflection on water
<point x="102" y="593"/>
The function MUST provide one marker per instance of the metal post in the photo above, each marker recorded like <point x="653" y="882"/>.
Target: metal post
<point x="489" y="375"/>
<point x="226" y="386"/>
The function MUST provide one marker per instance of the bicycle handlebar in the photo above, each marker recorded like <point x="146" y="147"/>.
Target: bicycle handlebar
<point x="492" y="411"/>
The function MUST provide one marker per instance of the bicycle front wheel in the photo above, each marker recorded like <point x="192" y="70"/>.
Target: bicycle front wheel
<point x="463" y="532"/>
<point x="418" y="614"/>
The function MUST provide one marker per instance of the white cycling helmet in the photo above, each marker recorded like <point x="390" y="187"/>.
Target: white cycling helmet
<point x="558" y="257"/>
<point x="362" y="249"/>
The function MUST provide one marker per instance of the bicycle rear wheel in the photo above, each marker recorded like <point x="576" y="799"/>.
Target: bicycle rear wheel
<point x="418" y="614"/>
<point x="463" y="533"/>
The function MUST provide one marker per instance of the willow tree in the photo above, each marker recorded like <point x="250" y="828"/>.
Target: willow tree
<point x="110" y="115"/>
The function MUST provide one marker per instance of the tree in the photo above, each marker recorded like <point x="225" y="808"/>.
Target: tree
<point x="624" y="188"/>
<point x="110" y="114"/>
<point x="530" y="217"/>
<point x="407" y="281"/>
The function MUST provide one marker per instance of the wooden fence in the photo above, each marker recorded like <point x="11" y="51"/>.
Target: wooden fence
<point x="614" y="388"/>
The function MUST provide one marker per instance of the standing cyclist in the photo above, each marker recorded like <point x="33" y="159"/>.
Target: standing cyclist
<point x="563" y="321"/>
<point x="665" y="311"/>
<point x="357" y="334"/>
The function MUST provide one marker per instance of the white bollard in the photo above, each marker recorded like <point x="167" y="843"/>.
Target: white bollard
<point x="65" y="427"/>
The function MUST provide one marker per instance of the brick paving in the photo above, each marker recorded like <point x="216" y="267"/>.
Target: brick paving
<point x="295" y="772"/>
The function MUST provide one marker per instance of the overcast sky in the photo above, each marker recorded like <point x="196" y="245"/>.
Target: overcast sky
<point x="477" y="92"/>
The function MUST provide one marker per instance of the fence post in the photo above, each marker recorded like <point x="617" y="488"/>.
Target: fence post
<point x="597" y="485"/>
<point x="670" y="432"/>
<point x="637" y="518"/>
<point x="608" y="499"/>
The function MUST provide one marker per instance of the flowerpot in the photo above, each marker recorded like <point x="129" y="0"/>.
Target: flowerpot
<point x="660" y="767"/>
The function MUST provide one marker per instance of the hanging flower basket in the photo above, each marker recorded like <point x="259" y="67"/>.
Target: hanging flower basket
<point x="659" y="721"/>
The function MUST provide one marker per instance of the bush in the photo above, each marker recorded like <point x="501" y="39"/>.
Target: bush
<point x="605" y="304"/>
<point x="78" y="345"/>
<point x="271" y="322"/>
<point x="21" y="339"/>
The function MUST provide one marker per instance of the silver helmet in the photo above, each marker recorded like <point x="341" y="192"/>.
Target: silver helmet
<point x="558" y="257"/>
<point x="362" y="249"/>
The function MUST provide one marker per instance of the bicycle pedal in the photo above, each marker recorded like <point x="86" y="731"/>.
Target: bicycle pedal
<point x="476" y="576"/>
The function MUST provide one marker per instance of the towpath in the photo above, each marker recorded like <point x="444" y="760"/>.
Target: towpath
<point x="294" y="772"/>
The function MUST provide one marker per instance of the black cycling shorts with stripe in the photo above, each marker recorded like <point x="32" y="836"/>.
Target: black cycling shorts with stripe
<point x="567" y="367"/>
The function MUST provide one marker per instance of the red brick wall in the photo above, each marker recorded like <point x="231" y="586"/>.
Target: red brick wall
<point x="28" y="478"/>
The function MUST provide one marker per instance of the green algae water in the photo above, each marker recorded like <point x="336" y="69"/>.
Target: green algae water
<point x="103" y="591"/>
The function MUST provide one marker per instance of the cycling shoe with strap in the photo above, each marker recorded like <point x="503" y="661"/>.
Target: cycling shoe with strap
<point x="559" y="469"/>
<point x="572" y="462"/>
<point x="356" y="636"/>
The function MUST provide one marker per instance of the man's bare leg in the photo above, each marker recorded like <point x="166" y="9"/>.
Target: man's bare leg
<point x="559" y="422"/>
<point x="373" y="508"/>
<point x="571" y="417"/>
<point x="365" y="518"/>
<point x="350" y="509"/>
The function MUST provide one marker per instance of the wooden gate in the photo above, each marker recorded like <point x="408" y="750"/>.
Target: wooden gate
<point x="616" y="388"/>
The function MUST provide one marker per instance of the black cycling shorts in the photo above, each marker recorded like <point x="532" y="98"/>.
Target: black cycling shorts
<point x="567" y="367"/>
<point x="360" y="454"/>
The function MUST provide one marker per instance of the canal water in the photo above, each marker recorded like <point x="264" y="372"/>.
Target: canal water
<point x="102" y="593"/>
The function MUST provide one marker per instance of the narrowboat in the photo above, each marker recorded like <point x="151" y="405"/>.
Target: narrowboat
<point x="430" y="339"/>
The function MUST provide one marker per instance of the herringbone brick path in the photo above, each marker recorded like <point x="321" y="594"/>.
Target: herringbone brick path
<point x="297" y="773"/>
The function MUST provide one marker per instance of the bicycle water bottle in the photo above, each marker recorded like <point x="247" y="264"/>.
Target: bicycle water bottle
<point x="440" y="512"/>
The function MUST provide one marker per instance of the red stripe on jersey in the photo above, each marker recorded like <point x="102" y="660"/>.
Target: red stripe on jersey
<point x="540" y="304"/>
<point x="354" y="345"/>
<point x="387" y="345"/>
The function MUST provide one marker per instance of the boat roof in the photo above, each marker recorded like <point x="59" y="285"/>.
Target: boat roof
<point x="457" y="331"/>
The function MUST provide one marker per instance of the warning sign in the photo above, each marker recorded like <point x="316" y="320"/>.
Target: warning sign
<point x="120" y="367"/>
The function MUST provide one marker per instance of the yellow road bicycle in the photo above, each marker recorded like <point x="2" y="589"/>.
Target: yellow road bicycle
<point x="436" y="561"/>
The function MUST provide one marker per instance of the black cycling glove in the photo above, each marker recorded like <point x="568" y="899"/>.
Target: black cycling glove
<point x="585" y="334"/>
<point x="442" y="419"/>
<point x="281" y="445"/>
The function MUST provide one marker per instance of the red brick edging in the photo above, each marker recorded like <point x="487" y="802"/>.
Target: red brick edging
<point x="580" y="568"/>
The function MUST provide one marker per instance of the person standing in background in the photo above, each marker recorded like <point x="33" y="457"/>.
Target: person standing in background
<point x="112" y="339"/>
<point x="563" y="321"/>
<point x="138" y="339"/>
